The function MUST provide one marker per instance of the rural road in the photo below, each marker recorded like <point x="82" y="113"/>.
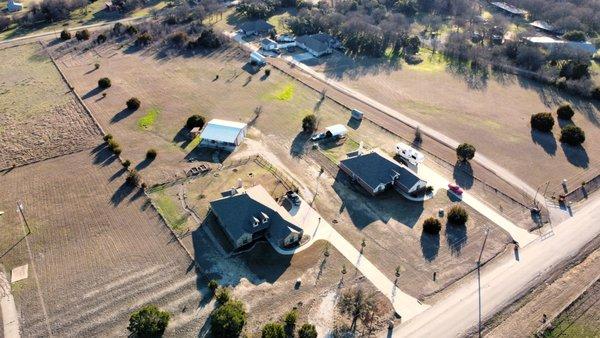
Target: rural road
<point x="505" y="280"/>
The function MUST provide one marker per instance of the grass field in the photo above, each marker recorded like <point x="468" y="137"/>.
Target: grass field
<point x="39" y="116"/>
<point x="97" y="249"/>
<point x="582" y="318"/>
<point x="476" y="105"/>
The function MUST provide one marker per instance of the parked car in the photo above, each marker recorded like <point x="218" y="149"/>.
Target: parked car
<point x="293" y="197"/>
<point x="455" y="188"/>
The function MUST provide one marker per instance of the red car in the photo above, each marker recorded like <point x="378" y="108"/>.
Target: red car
<point x="455" y="188"/>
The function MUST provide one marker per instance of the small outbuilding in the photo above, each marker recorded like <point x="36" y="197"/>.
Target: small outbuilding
<point x="13" y="6"/>
<point x="510" y="9"/>
<point x="223" y="134"/>
<point x="268" y="44"/>
<point x="377" y="173"/>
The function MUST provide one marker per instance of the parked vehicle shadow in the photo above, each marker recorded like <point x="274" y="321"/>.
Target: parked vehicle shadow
<point x="354" y="123"/>
<point x="456" y="237"/>
<point x="545" y="140"/>
<point x="430" y="245"/>
<point x="299" y="144"/>
<point x="463" y="174"/>
<point x="577" y="156"/>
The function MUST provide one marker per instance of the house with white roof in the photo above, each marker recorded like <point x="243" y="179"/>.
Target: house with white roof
<point x="222" y="134"/>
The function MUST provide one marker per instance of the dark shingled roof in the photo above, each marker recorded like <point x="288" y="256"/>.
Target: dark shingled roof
<point x="374" y="169"/>
<point x="312" y="43"/>
<point x="236" y="212"/>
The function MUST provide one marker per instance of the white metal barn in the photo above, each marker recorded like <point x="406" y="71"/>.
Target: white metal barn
<point x="223" y="134"/>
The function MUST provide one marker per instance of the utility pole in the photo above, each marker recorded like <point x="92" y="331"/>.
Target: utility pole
<point x="20" y="210"/>
<point x="487" y="231"/>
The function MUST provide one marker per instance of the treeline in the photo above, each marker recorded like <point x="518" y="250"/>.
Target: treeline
<point x="583" y="15"/>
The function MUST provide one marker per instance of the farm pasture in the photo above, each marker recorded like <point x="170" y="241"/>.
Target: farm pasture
<point x="39" y="116"/>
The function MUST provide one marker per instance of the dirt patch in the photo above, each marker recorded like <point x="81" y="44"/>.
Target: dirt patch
<point x="40" y="117"/>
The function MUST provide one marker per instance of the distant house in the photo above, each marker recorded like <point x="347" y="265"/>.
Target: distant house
<point x="223" y="134"/>
<point x="268" y="44"/>
<point x="313" y="45"/>
<point x="251" y="214"/>
<point x="510" y="9"/>
<point x="546" y="27"/>
<point x="257" y="27"/>
<point x="13" y="6"/>
<point x="553" y="44"/>
<point x="376" y="173"/>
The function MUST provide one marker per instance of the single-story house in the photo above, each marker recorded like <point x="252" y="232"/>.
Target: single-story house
<point x="510" y="9"/>
<point x="337" y="130"/>
<point x="223" y="134"/>
<point x="250" y="214"/>
<point x="313" y="45"/>
<point x="268" y="44"/>
<point x="256" y="27"/>
<point x="546" y="27"/>
<point x="13" y="6"/>
<point x="553" y="44"/>
<point x="377" y="173"/>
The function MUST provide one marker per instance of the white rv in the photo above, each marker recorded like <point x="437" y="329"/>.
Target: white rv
<point x="409" y="154"/>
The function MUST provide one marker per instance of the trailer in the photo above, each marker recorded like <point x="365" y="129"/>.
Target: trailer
<point x="409" y="154"/>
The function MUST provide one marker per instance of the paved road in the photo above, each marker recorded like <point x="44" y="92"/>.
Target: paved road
<point x="505" y="280"/>
<point x="10" y="318"/>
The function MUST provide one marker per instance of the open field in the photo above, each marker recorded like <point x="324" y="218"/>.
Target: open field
<point x="478" y="105"/>
<point x="39" y="116"/>
<point x="96" y="249"/>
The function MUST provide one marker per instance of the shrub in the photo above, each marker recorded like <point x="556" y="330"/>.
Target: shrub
<point x="133" y="177"/>
<point x="432" y="226"/>
<point x="195" y="121"/>
<point x="96" y="66"/>
<point x="457" y="215"/>
<point x="291" y="318"/>
<point x="126" y="163"/>
<point x="143" y="39"/>
<point x="309" y="123"/>
<point x="267" y="72"/>
<point x="65" y="35"/>
<point x="213" y="285"/>
<point x="107" y="137"/>
<point x="5" y="22"/>
<point x="82" y="35"/>
<point x="273" y="330"/>
<point x="228" y="320"/>
<point x="117" y="151"/>
<point x="572" y="135"/>
<point x="179" y="38"/>
<point x="131" y="30"/>
<point x="101" y="38"/>
<point x="104" y="83"/>
<point x="133" y="103"/>
<point x="596" y="93"/>
<point x="542" y="122"/>
<point x="151" y="154"/>
<point x="148" y="321"/>
<point x="223" y="295"/>
<point x="112" y="144"/>
<point x="465" y="152"/>
<point x="577" y="36"/>
<point x="307" y="331"/>
<point x="565" y="112"/>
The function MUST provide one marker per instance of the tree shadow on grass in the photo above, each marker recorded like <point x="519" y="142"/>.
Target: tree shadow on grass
<point x="463" y="174"/>
<point x="545" y="140"/>
<point x="430" y="245"/>
<point x="456" y="237"/>
<point x="92" y="93"/>
<point x="121" y="193"/>
<point x="117" y="174"/>
<point x="144" y="164"/>
<point x="182" y="137"/>
<point x="103" y="156"/>
<point x="577" y="156"/>
<point x="299" y="144"/>
<point x="122" y="115"/>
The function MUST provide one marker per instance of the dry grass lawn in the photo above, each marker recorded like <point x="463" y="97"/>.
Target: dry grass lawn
<point x="39" y="116"/>
<point x="487" y="109"/>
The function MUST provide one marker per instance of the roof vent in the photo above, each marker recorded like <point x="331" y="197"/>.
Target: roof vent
<point x="255" y="222"/>
<point x="264" y="217"/>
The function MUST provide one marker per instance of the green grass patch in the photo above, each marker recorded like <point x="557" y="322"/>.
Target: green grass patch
<point x="286" y="93"/>
<point x="193" y="144"/>
<point x="147" y="121"/>
<point x="336" y="153"/>
<point x="169" y="210"/>
<point x="432" y="63"/>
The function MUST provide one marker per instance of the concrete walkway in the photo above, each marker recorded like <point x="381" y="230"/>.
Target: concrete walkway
<point x="313" y="225"/>
<point x="10" y="317"/>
